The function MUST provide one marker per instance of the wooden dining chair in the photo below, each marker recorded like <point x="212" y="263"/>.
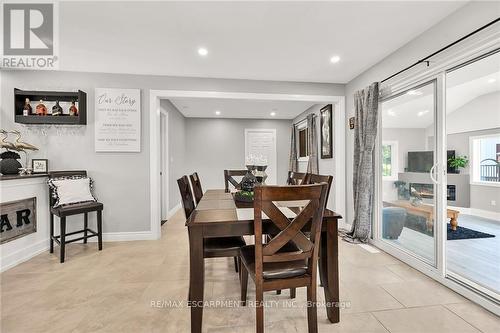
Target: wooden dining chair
<point x="290" y="259"/>
<point x="212" y="247"/>
<point x="69" y="210"/>
<point x="228" y="178"/>
<point x="295" y="178"/>
<point x="317" y="179"/>
<point x="196" y="184"/>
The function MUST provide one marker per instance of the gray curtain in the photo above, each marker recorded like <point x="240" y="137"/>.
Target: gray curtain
<point x="292" y="164"/>
<point x="366" y="112"/>
<point x="312" y="144"/>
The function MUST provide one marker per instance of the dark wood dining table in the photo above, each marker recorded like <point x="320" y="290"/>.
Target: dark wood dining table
<point x="217" y="216"/>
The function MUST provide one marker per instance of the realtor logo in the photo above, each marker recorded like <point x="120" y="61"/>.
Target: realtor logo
<point x="29" y="35"/>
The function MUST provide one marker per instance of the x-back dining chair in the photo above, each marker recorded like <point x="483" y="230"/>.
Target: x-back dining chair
<point x="197" y="190"/>
<point x="272" y="265"/>
<point x="228" y="178"/>
<point x="212" y="247"/>
<point x="317" y="179"/>
<point x="296" y="178"/>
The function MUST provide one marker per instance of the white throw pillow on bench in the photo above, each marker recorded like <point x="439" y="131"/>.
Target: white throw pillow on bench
<point x="71" y="190"/>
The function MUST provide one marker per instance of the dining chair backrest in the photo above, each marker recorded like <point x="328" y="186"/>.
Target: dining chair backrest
<point x="228" y="178"/>
<point x="186" y="195"/>
<point x="291" y="231"/>
<point x="57" y="174"/>
<point x="196" y="184"/>
<point x="295" y="178"/>
<point x="317" y="179"/>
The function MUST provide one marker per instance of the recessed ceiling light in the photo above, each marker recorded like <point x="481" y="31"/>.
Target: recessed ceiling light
<point x="492" y="80"/>
<point x="421" y="113"/>
<point x="334" y="59"/>
<point x="217" y="113"/>
<point x="414" y="92"/>
<point x="273" y="114"/>
<point x="202" y="51"/>
<point x="391" y="113"/>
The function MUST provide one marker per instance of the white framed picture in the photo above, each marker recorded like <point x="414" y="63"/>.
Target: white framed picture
<point x="117" y="120"/>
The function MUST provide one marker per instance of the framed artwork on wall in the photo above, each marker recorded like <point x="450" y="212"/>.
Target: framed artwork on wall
<point x="326" y="132"/>
<point x="40" y="165"/>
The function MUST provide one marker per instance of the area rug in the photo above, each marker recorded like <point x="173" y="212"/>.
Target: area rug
<point x="417" y="223"/>
<point x="465" y="233"/>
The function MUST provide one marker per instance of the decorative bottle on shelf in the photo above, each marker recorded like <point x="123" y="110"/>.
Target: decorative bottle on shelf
<point x="27" y="107"/>
<point x="73" y="111"/>
<point x="57" y="109"/>
<point x="41" y="109"/>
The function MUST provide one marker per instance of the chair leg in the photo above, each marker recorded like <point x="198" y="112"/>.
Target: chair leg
<point x="62" y="239"/>
<point x="51" y="233"/>
<point x="99" y="229"/>
<point x="236" y="264"/>
<point x="312" y="313"/>
<point x="244" y="283"/>
<point x="259" y="308"/>
<point x="293" y="292"/>
<point x="85" y="226"/>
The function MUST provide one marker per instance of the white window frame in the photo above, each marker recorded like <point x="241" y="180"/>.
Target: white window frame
<point x="474" y="160"/>
<point x="394" y="159"/>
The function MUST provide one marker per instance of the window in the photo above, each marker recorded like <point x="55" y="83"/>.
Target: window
<point x="303" y="143"/>
<point x="485" y="159"/>
<point x="390" y="160"/>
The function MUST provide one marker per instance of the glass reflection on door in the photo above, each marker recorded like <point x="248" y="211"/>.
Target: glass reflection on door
<point x="473" y="144"/>
<point x="407" y="162"/>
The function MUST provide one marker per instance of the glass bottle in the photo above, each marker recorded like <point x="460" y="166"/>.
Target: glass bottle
<point x="73" y="111"/>
<point x="57" y="109"/>
<point x="41" y="109"/>
<point x="27" y="107"/>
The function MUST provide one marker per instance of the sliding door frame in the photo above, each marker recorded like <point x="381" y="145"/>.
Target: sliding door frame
<point x="486" y="43"/>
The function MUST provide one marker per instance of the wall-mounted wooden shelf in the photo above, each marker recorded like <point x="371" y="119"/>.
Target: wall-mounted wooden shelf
<point x="49" y="98"/>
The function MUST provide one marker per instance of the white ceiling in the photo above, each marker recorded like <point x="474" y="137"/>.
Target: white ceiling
<point x="463" y="85"/>
<point x="289" y="41"/>
<point x="239" y="108"/>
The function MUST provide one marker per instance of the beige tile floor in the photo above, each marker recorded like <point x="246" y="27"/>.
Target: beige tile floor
<point x="113" y="291"/>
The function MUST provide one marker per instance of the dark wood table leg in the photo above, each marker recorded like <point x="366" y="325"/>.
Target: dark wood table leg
<point x="329" y="270"/>
<point x="196" y="277"/>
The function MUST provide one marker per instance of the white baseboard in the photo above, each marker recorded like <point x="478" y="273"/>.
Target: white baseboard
<point x="23" y="255"/>
<point x="174" y="210"/>
<point x="478" y="212"/>
<point x="126" y="236"/>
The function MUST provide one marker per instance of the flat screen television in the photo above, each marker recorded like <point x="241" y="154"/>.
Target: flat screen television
<point x="422" y="161"/>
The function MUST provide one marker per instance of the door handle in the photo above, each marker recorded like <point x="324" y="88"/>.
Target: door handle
<point x="431" y="172"/>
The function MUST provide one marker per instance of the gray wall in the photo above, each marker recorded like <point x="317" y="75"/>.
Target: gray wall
<point x="213" y="145"/>
<point x="122" y="179"/>
<point x="460" y="23"/>
<point x="325" y="166"/>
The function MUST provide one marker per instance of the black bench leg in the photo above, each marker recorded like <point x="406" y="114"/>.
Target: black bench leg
<point x="51" y="233"/>
<point x="85" y="226"/>
<point x="63" y="238"/>
<point x="99" y="229"/>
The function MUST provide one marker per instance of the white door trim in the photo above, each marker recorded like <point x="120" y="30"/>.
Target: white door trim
<point x="275" y="152"/>
<point x="165" y="166"/>
<point x="154" y="140"/>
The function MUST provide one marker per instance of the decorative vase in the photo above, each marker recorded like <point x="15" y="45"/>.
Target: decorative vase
<point x="57" y="109"/>
<point x="260" y="173"/>
<point x="248" y="181"/>
<point x="41" y="109"/>
<point x="73" y="111"/>
<point x="9" y="164"/>
<point x="27" y="107"/>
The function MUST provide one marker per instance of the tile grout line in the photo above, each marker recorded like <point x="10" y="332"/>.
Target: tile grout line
<point x="458" y="315"/>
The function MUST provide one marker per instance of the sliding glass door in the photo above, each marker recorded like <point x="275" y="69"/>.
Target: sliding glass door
<point x="473" y="180"/>
<point x="407" y="162"/>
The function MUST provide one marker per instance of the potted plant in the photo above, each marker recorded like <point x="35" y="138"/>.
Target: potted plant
<point x="458" y="162"/>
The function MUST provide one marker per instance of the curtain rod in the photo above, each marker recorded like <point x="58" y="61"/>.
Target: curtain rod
<point x="441" y="50"/>
<point x="304" y="119"/>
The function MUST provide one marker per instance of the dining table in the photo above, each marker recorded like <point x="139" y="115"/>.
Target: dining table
<point x="218" y="214"/>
